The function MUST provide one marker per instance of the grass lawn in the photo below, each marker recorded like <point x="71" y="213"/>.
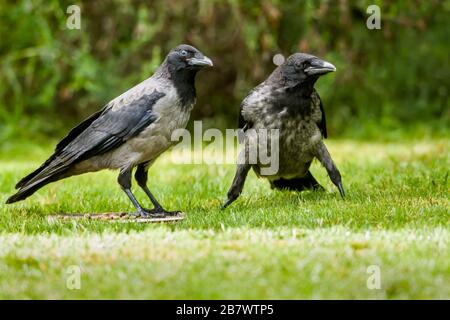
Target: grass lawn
<point x="268" y="244"/>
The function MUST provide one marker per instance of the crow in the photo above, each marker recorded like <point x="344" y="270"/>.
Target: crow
<point x="131" y="131"/>
<point x="287" y="101"/>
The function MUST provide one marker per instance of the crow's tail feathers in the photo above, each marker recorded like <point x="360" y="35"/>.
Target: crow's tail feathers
<point x="49" y="172"/>
<point x="27" y="190"/>
<point x="27" y="179"/>
<point x="308" y="182"/>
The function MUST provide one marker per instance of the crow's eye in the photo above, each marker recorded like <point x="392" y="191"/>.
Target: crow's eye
<point x="184" y="53"/>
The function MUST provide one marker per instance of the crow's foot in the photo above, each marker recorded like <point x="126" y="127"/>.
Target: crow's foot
<point x="341" y="190"/>
<point x="157" y="213"/>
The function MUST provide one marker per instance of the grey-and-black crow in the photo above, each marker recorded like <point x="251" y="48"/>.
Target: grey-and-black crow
<point x="131" y="131"/>
<point x="287" y="101"/>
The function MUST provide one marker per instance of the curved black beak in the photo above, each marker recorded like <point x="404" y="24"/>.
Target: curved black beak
<point x="200" y="60"/>
<point x="320" y="67"/>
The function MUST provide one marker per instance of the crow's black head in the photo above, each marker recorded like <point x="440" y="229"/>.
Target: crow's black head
<point x="301" y="68"/>
<point x="187" y="57"/>
<point x="180" y="67"/>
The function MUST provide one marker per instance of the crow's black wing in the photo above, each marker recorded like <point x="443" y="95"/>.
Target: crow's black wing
<point x="100" y="133"/>
<point x="112" y="128"/>
<point x="322" y="123"/>
<point x="62" y="144"/>
<point x="75" y="132"/>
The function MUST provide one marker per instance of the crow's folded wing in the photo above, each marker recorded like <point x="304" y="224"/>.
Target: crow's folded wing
<point x="112" y="128"/>
<point x="61" y="145"/>
<point x="100" y="133"/>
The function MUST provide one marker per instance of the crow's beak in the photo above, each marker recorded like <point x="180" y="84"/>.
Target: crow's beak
<point x="319" y="67"/>
<point x="203" y="61"/>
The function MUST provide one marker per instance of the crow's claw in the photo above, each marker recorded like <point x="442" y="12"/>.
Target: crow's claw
<point x="341" y="190"/>
<point x="226" y="204"/>
<point x="158" y="213"/>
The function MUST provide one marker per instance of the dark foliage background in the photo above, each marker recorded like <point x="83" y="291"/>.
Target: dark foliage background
<point x="388" y="80"/>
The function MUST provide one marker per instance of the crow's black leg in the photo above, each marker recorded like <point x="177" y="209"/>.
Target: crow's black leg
<point x="124" y="180"/>
<point x="324" y="157"/>
<point x="141" y="177"/>
<point x="237" y="185"/>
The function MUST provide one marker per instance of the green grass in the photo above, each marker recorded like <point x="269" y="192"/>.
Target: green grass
<point x="268" y="244"/>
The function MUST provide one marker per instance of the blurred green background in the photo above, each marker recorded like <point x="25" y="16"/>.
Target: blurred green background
<point x="390" y="83"/>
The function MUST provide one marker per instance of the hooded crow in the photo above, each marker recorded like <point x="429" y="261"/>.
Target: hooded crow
<point x="131" y="131"/>
<point x="287" y="101"/>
